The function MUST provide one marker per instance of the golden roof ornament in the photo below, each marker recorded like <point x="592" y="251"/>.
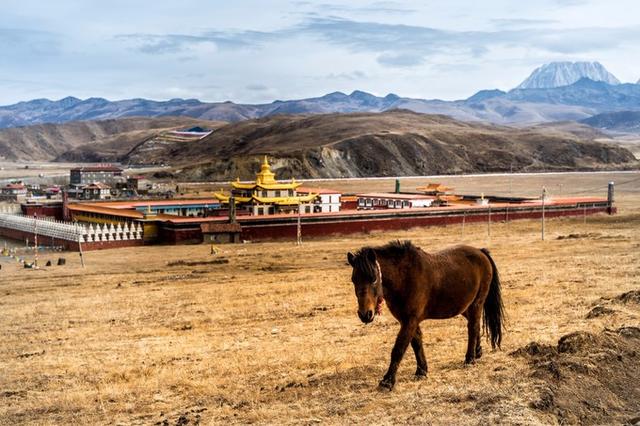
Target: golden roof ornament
<point x="265" y="180"/>
<point x="266" y="176"/>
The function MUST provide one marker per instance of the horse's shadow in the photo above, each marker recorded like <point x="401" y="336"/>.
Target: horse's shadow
<point x="359" y="378"/>
<point x="353" y="379"/>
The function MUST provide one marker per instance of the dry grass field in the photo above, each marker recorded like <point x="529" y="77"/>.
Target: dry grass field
<point x="268" y="333"/>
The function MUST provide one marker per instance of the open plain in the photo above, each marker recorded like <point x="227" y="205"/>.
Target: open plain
<point x="268" y="333"/>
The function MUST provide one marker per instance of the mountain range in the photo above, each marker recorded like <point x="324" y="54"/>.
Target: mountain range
<point x="543" y="97"/>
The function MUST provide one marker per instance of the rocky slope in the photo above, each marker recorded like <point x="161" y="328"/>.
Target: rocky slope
<point x="85" y="140"/>
<point x="393" y="143"/>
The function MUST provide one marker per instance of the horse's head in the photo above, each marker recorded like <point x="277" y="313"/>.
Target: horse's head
<point x="367" y="280"/>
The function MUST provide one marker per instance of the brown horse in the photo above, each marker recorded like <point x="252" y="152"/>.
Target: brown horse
<point x="417" y="285"/>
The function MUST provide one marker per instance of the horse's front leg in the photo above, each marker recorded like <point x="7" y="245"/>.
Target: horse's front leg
<point x="406" y="334"/>
<point x="418" y="349"/>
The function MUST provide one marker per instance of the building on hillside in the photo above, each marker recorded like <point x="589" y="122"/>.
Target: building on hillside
<point x="268" y="196"/>
<point x="384" y="200"/>
<point x="193" y="133"/>
<point x="327" y="200"/>
<point x="13" y="192"/>
<point x="104" y="173"/>
<point x="96" y="191"/>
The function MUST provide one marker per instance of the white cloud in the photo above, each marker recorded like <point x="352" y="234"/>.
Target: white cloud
<point x="256" y="51"/>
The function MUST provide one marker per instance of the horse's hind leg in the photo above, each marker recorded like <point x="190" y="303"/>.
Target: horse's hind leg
<point x="418" y="349"/>
<point x="474" y="318"/>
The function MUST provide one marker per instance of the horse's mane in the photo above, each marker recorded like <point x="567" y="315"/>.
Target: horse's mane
<point x="362" y="263"/>
<point x="395" y="249"/>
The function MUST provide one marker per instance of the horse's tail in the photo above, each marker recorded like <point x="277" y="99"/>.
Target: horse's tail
<point x="493" y="318"/>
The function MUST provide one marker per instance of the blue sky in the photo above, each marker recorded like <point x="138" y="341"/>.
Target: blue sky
<point x="259" y="51"/>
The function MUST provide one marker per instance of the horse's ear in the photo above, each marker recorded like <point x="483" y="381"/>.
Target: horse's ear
<point x="350" y="258"/>
<point x="371" y="256"/>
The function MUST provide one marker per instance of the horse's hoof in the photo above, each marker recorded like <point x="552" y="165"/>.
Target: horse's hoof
<point x="478" y="352"/>
<point x="469" y="361"/>
<point x="385" y="385"/>
<point x="420" y="374"/>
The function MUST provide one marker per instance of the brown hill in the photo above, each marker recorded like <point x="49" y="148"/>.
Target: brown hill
<point x="81" y="141"/>
<point x="393" y="143"/>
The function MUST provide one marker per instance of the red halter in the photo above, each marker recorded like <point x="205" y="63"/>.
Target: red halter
<point x="379" y="305"/>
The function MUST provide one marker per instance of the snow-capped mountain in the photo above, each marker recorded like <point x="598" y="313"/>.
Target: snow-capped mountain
<point x="557" y="74"/>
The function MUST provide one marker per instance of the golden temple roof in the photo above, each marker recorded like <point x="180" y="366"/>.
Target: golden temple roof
<point x="265" y="179"/>
<point x="307" y="198"/>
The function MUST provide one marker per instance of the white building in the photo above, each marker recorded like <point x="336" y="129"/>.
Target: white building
<point x="328" y="200"/>
<point x="389" y="200"/>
